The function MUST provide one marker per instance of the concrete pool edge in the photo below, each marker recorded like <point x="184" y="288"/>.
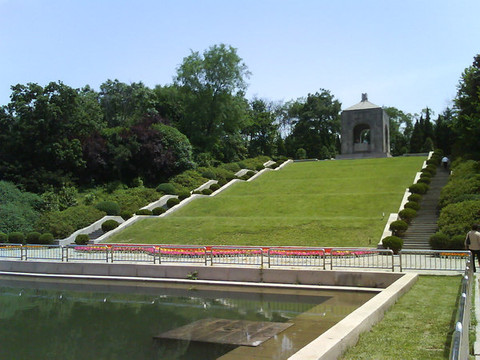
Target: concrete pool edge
<point x="335" y="341"/>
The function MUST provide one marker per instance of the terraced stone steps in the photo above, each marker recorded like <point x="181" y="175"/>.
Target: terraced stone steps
<point x="425" y="224"/>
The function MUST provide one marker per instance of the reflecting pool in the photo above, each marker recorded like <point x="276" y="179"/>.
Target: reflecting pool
<point x="75" y="319"/>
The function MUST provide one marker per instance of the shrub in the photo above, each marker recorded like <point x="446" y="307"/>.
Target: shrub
<point x="393" y="242"/>
<point x="432" y="168"/>
<point x="412" y="205"/>
<point x="419" y="188"/>
<point x="457" y="218"/>
<point x="172" y="202"/>
<point x="158" y="211"/>
<point x="415" y="197"/>
<point x="301" y="154"/>
<point x="232" y="167"/>
<point x="214" y="187"/>
<point x="426" y="174"/>
<point x="16" y="237"/>
<point x="3" y="237"/>
<point x="89" y="199"/>
<point x="184" y="195"/>
<point x="46" y="238"/>
<point x="439" y="241"/>
<point x="207" y="191"/>
<point x="109" y="225"/>
<point x="109" y="207"/>
<point x="82" y="239"/>
<point x="250" y="173"/>
<point x="259" y="167"/>
<point x="144" y="212"/>
<point x="197" y="192"/>
<point x="126" y="215"/>
<point x="407" y="215"/>
<point x="398" y="227"/>
<point x="424" y="180"/>
<point x="221" y="183"/>
<point x="207" y="172"/>
<point x="33" y="237"/>
<point x="63" y="223"/>
<point x="244" y="177"/>
<point x="457" y="242"/>
<point x="166" y="188"/>
<point x="189" y="179"/>
<point x="459" y="187"/>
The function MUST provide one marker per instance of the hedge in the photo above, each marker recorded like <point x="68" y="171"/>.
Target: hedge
<point x="3" y="237"/>
<point x="166" y="188"/>
<point x="172" y="202"/>
<point x="398" y="227"/>
<point x="415" y="197"/>
<point x="16" y="237"/>
<point x="457" y="218"/>
<point x="144" y="212"/>
<point x="82" y="239"/>
<point x="158" y="211"/>
<point x="33" y="237"/>
<point x="407" y="215"/>
<point x="412" y="205"/>
<point x="419" y="188"/>
<point x="439" y="241"/>
<point x="46" y="238"/>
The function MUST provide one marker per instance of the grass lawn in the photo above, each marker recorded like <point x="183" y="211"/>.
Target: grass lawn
<point x="418" y="326"/>
<point x="325" y="203"/>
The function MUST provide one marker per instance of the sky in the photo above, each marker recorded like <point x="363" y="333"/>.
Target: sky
<point x="408" y="54"/>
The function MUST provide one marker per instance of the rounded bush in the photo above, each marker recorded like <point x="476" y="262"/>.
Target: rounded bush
<point x="110" y="207"/>
<point x="432" y="168"/>
<point x="3" y="237"/>
<point x="158" y="211"/>
<point x="172" y="202"/>
<point x="33" y="237"/>
<point x="259" y="167"/>
<point x="457" y="242"/>
<point x="419" y="188"/>
<point x="166" y="188"/>
<point x="439" y="241"/>
<point x="415" y="197"/>
<point x="109" y="225"/>
<point x="126" y="215"/>
<point x="184" y="195"/>
<point x="82" y="239"/>
<point x="214" y="187"/>
<point x="46" y="238"/>
<point x="16" y="237"/>
<point x="398" y="227"/>
<point x="412" y="205"/>
<point x="244" y="177"/>
<point x="144" y="212"/>
<point x="197" y="192"/>
<point x="207" y="192"/>
<point x="222" y="182"/>
<point x="407" y="215"/>
<point x="428" y="172"/>
<point x="424" y="180"/>
<point x="393" y="242"/>
<point x="250" y="173"/>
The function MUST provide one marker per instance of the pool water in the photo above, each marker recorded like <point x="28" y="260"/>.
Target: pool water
<point x="59" y="319"/>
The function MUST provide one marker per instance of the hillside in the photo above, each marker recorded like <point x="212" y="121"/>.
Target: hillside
<point x="325" y="203"/>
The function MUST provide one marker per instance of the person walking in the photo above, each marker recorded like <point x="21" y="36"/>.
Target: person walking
<point x="472" y="243"/>
<point x="445" y="161"/>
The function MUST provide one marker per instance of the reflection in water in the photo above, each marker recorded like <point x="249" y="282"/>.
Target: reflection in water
<point x="53" y="320"/>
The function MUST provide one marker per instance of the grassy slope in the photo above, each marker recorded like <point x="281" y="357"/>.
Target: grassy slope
<point x="417" y="327"/>
<point x="328" y="203"/>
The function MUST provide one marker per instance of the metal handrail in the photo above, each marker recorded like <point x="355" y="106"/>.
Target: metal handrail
<point x="297" y="254"/>
<point x="460" y="347"/>
<point x="352" y="258"/>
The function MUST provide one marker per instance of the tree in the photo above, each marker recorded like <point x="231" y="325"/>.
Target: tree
<point x="400" y="130"/>
<point x="467" y="106"/>
<point x="316" y="123"/>
<point x="262" y="131"/>
<point x="417" y="138"/>
<point x="215" y="108"/>
<point x="444" y="134"/>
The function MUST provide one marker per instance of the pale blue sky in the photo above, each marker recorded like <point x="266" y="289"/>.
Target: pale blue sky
<point x="408" y="54"/>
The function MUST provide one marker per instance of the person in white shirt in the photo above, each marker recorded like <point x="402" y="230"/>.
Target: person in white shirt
<point x="472" y="243"/>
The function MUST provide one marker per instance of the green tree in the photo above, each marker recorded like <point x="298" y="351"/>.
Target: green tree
<point x="467" y="106"/>
<point x="443" y="130"/>
<point x="400" y="130"/>
<point x="215" y="108"/>
<point x="417" y="138"/>
<point x="316" y="123"/>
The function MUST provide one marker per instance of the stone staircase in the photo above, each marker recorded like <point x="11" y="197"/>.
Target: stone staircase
<point x="425" y="224"/>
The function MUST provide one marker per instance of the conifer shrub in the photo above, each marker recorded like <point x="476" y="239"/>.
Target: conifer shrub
<point x="16" y="237"/>
<point x="412" y="205"/>
<point x="419" y="188"/>
<point x="33" y="237"/>
<point x="109" y="225"/>
<point x="207" y="191"/>
<point x="3" y="237"/>
<point x="143" y="212"/>
<point x="439" y="241"/>
<point x="184" y="194"/>
<point x="426" y="174"/>
<point x="432" y="168"/>
<point x="158" y="211"/>
<point x="46" y="239"/>
<point x="82" y="239"/>
<point x="166" y="188"/>
<point x="415" y="197"/>
<point x="393" y="243"/>
<point x="126" y="215"/>
<point x="425" y="180"/>
<point x="398" y="227"/>
<point x="109" y="207"/>
<point x="172" y="202"/>
<point x="407" y="215"/>
<point x="214" y="187"/>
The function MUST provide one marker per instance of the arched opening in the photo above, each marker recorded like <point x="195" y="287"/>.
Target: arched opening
<point x="361" y="138"/>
